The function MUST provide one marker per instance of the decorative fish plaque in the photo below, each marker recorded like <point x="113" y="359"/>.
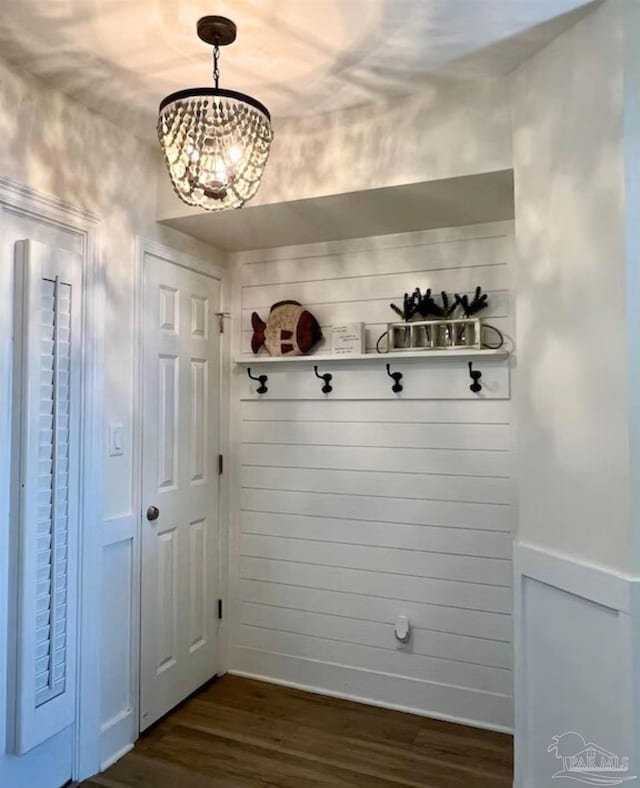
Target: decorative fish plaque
<point x="290" y="330"/>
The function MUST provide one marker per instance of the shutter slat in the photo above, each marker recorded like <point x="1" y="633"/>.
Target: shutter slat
<point x="53" y="491"/>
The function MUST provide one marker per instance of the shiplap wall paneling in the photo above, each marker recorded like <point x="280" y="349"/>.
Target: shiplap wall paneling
<point x="356" y="280"/>
<point x="361" y="505"/>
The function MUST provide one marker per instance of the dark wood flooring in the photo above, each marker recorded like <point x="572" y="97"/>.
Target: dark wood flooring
<point x="238" y="733"/>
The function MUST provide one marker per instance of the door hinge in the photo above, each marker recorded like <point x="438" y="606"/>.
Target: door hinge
<point x="220" y="609"/>
<point x="221" y="316"/>
<point x="220" y="464"/>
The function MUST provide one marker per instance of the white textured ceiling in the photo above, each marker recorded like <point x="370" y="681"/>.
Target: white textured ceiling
<point x="121" y="57"/>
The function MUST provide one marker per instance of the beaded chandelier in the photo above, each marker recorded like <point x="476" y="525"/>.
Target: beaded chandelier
<point x="215" y="142"/>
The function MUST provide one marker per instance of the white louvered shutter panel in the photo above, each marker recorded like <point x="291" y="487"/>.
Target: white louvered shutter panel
<point x="46" y="501"/>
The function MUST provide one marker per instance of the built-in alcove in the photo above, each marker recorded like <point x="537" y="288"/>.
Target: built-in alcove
<point x="359" y="505"/>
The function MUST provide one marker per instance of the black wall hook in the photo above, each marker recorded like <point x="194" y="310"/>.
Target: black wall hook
<point x="475" y="375"/>
<point x="397" y="377"/>
<point x="327" y="388"/>
<point x="262" y="379"/>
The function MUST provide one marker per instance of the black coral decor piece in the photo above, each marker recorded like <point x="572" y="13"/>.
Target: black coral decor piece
<point x="425" y="305"/>
<point x="449" y="308"/>
<point x="409" y="305"/>
<point x="479" y="302"/>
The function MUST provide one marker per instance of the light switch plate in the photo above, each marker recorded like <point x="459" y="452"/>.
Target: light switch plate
<point x="115" y="440"/>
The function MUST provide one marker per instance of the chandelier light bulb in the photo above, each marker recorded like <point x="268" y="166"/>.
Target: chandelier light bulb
<point x="215" y="141"/>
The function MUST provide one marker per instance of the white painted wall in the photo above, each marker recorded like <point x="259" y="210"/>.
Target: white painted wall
<point x="574" y="559"/>
<point x="568" y="158"/>
<point x="361" y="505"/>
<point x="54" y="145"/>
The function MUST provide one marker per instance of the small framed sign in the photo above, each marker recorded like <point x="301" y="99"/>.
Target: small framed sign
<point x="348" y="339"/>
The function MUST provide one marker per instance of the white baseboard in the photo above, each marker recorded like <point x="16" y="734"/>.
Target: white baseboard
<point x="399" y="693"/>
<point x="116" y="757"/>
<point x="117" y="737"/>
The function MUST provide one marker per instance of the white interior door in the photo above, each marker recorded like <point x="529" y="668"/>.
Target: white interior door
<point x="180" y="531"/>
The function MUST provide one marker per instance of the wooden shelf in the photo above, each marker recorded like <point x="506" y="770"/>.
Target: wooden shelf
<point x="324" y="358"/>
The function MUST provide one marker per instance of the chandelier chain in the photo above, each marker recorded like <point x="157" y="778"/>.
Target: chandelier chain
<point x="216" y="69"/>
<point x="215" y="142"/>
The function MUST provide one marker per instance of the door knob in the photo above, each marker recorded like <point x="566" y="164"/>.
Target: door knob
<point x="153" y="513"/>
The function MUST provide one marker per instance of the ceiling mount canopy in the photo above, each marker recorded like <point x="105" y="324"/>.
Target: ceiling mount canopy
<point x="217" y="30"/>
<point x="215" y="141"/>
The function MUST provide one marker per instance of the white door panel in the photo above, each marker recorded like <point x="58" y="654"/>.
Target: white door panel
<point x="180" y="448"/>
